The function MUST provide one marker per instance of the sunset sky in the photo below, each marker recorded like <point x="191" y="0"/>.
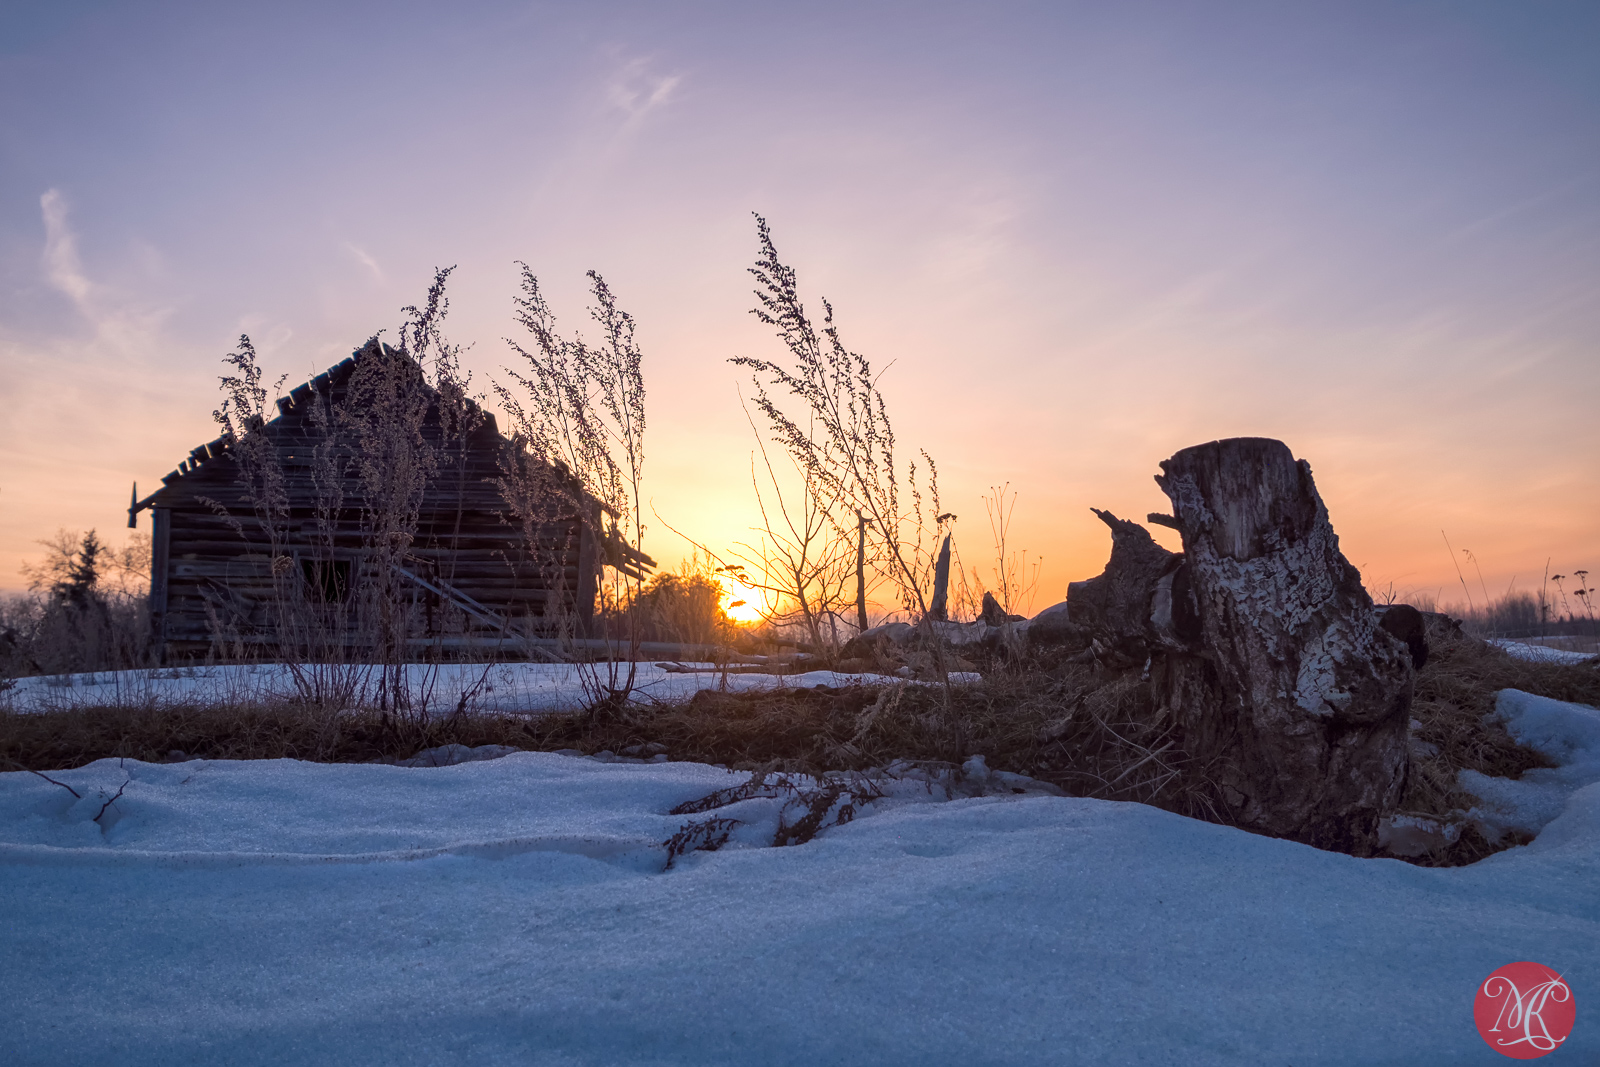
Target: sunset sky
<point x="1084" y="235"/>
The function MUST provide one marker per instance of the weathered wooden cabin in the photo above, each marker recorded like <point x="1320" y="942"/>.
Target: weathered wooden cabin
<point x="230" y="572"/>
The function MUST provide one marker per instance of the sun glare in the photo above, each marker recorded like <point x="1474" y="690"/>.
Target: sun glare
<point x="740" y="601"/>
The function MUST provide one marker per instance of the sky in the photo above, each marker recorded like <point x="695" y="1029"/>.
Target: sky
<point x="1076" y="237"/>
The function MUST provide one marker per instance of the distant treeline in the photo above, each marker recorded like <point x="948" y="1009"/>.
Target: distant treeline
<point x="1531" y="614"/>
<point x="87" y="609"/>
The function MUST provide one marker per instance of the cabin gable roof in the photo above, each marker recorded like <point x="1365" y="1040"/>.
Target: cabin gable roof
<point x="212" y="466"/>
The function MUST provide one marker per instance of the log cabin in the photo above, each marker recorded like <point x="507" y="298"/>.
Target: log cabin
<point x="237" y="563"/>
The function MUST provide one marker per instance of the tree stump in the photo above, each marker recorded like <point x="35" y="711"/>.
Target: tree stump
<point x="1113" y="612"/>
<point x="1270" y="652"/>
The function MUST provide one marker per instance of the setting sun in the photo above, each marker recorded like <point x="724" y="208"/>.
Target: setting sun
<point x="740" y="601"/>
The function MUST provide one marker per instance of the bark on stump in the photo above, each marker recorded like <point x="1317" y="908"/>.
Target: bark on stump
<point x="1298" y="696"/>
<point x="1261" y="642"/>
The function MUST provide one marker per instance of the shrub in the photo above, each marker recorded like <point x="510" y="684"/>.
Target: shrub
<point x="685" y="608"/>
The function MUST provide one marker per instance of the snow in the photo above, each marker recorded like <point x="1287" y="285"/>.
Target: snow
<point x="508" y="688"/>
<point x="520" y="910"/>
<point x="1540" y="653"/>
<point x="1567" y="733"/>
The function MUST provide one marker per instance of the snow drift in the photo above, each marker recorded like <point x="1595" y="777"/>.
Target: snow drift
<point x="518" y="910"/>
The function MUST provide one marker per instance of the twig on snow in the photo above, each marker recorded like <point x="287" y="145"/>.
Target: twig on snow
<point x="113" y="800"/>
<point x="46" y="777"/>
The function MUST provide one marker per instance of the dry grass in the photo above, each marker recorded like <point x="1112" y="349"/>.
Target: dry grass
<point x="1094" y="735"/>
<point x="1454" y="692"/>
<point x="1091" y="735"/>
<point x="65" y="739"/>
<point x="1086" y="734"/>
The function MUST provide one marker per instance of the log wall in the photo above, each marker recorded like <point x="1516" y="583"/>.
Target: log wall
<point x="219" y="571"/>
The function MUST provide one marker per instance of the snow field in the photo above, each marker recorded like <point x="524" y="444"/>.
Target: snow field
<point x="1569" y="734"/>
<point x="517" y="910"/>
<point x="507" y="688"/>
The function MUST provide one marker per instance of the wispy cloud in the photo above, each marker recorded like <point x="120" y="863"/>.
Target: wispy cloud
<point x="120" y="326"/>
<point x="366" y="260"/>
<point x="636" y="90"/>
<point x="89" y="376"/>
<point x="61" y="263"/>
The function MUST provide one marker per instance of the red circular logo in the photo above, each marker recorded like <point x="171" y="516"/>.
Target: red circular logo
<point x="1524" y="1010"/>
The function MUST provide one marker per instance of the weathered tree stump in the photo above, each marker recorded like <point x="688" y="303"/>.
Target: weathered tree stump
<point x="1259" y="640"/>
<point x="1289" y="688"/>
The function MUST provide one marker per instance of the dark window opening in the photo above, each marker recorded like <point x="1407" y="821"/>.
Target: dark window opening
<point x="329" y="579"/>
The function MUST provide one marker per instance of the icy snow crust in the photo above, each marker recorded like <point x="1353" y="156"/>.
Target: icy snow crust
<point x="518" y="910"/>
<point x="510" y="688"/>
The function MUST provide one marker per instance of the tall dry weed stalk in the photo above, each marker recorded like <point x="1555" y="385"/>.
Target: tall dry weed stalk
<point x="316" y="617"/>
<point x="303" y="633"/>
<point x="578" y="419"/>
<point x="1582" y="592"/>
<point x="392" y="394"/>
<point x="842" y="442"/>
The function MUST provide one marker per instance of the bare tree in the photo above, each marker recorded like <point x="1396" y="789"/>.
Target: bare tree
<point x="87" y="609"/>
<point x="1014" y="578"/>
